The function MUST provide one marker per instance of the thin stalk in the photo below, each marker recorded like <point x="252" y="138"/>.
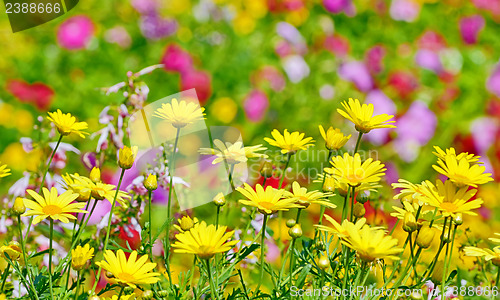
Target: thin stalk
<point x="358" y="142"/>
<point x="169" y="207"/>
<point x="4" y="277"/>
<point x="77" y="284"/>
<point x="50" y="257"/>
<point x="262" y="241"/>
<point x="23" y="247"/>
<point x="497" y="282"/>
<point x="352" y="203"/>
<point x="231" y="181"/>
<point x="217" y="218"/>
<point x="280" y="213"/>
<point x="121" y="292"/>
<point x="445" y="271"/>
<point x="107" y="230"/>
<point x="150" y="228"/>
<point x="210" y="279"/>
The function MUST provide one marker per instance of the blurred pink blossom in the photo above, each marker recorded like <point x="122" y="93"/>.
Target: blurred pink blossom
<point x="255" y="105"/>
<point x="374" y="59"/>
<point x="176" y="59"/>
<point x="357" y="73"/>
<point x="337" y="44"/>
<point x="198" y="80"/>
<point x="296" y="68"/>
<point x="338" y="6"/>
<point x="119" y="36"/>
<point x="75" y="33"/>
<point x="382" y="105"/>
<point x="404" y="10"/>
<point x="470" y="28"/>
<point x="493" y="82"/>
<point x="429" y="60"/>
<point x="484" y="131"/>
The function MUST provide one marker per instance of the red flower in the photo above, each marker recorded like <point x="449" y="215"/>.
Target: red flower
<point x="37" y="93"/>
<point x="198" y="80"/>
<point x="176" y="59"/>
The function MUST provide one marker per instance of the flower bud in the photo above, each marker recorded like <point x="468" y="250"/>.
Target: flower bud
<point x="163" y="293"/>
<point x="110" y="275"/>
<point x="219" y="200"/>
<point x="186" y="223"/>
<point x="290" y="223"/>
<point x="409" y="222"/>
<point x="320" y="245"/>
<point x="458" y="219"/>
<point x="126" y="157"/>
<point x="147" y="294"/>
<point x="329" y="185"/>
<point x="151" y="183"/>
<point x="95" y="298"/>
<point x="323" y="262"/>
<point x="295" y="231"/>
<point x="18" y="208"/>
<point x="425" y="237"/>
<point x="362" y="198"/>
<point x="437" y="274"/>
<point x="359" y="210"/>
<point x="128" y="290"/>
<point x="267" y="170"/>
<point x="95" y="175"/>
<point x="496" y="261"/>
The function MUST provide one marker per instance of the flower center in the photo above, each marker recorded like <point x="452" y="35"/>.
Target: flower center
<point x="267" y="205"/>
<point x="126" y="277"/>
<point x="448" y="206"/>
<point x="52" y="210"/>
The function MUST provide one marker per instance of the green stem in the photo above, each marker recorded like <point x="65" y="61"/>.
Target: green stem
<point x="263" y="238"/>
<point x="150" y="228"/>
<point x="497" y="282"/>
<point x="50" y="257"/>
<point x="23" y="247"/>
<point x="77" y="285"/>
<point x="231" y="181"/>
<point x="358" y="142"/>
<point x="210" y="279"/>
<point x="280" y="213"/>
<point x="98" y="276"/>
<point x="50" y="162"/>
<point x="4" y="277"/>
<point x="217" y="218"/>
<point x="352" y="203"/>
<point x="121" y="292"/>
<point x="169" y="207"/>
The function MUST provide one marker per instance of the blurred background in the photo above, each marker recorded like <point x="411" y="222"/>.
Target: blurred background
<point x="264" y="64"/>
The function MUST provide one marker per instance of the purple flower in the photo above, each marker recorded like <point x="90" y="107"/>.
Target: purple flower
<point x="75" y="33"/>
<point x="404" y="10"/>
<point x="338" y="6"/>
<point x="255" y="105"/>
<point x="493" y="82"/>
<point x="382" y="105"/>
<point x="155" y="27"/>
<point x="357" y="73"/>
<point x="296" y="68"/>
<point x="470" y="28"/>
<point x="145" y="6"/>
<point x="429" y="60"/>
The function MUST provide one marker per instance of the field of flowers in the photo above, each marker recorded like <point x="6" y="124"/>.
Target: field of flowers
<point x="264" y="149"/>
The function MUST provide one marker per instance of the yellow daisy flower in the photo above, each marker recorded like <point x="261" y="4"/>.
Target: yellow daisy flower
<point x="122" y="297"/>
<point x="305" y="198"/>
<point x="334" y="138"/>
<point x="342" y="188"/>
<point x="80" y="256"/>
<point x="351" y="171"/>
<point x="495" y="240"/>
<point x="342" y="231"/>
<point x="412" y="208"/>
<point x="51" y="205"/>
<point x="372" y="243"/>
<point x="204" y="241"/>
<point x="180" y="114"/>
<point x="266" y="201"/>
<point x="471" y="158"/>
<point x="410" y="192"/>
<point x="13" y="250"/>
<point x="449" y="199"/>
<point x="488" y="254"/>
<point x="289" y="142"/>
<point x="362" y="116"/>
<point x="131" y="271"/>
<point x="233" y="153"/>
<point x="4" y="171"/>
<point x="98" y="190"/>
<point x="461" y="172"/>
<point x="66" y="124"/>
<point x="77" y="185"/>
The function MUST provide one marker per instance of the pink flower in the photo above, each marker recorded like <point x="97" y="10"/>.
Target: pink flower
<point x="493" y="82"/>
<point x="357" y="73"/>
<point x="429" y="60"/>
<point x="255" y="105"/>
<point x="198" y="80"/>
<point x="75" y="33"/>
<point x="176" y="59"/>
<point x="382" y="105"/>
<point x="404" y="10"/>
<point x="338" y="6"/>
<point x="374" y="59"/>
<point x="337" y="44"/>
<point x="470" y="28"/>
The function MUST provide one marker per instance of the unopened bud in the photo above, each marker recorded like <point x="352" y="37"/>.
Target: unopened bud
<point x="409" y="222"/>
<point x="163" y="293"/>
<point x="95" y="298"/>
<point x="329" y="185"/>
<point x="128" y="290"/>
<point x="290" y="223"/>
<point x="363" y="198"/>
<point x="267" y="169"/>
<point x="295" y="232"/>
<point x="359" y="210"/>
<point x="95" y="175"/>
<point x="147" y="294"/>
<point x="18" y="208"/>
<point x="323" y="262"/>
<point x="151" y="183"/>
<point x="425" y="237"/>
<point x="458" y="219"/>
<point x="219" y="199"/>
<point x="320" y="245"/>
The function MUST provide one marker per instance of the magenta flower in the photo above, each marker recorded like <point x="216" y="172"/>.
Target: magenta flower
<point x="338" y="6"/>
<point x="337" y="44"/>
<point x="198" y="80"/>
<point x="470" y="28"/>
<point x="493" y="82"/>
<point x="255" y="105"/>
<point x="357" y="73"/>
<point x="374" y="59"/>
<point x="75" y="33"/>
<point x="176" y="59"/>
